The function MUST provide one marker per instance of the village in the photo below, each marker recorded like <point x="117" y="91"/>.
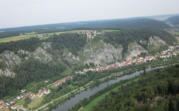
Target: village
<point x="170" y="52"/>
<point x="12" y="105"/>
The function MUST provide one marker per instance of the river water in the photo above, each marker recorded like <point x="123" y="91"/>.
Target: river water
<point x="68" y="104"/>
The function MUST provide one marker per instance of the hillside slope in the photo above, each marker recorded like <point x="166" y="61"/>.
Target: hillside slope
<point x="130" y="23"/>
<point x="33" y="60"/>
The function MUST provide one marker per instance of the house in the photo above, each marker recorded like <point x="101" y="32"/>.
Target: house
<point x="89" y="35"/>
<point x="63" y="81"/>
<point x="46" y="91"/>
<point x="7" y="104"/>
<point x="22" y="96"/>
<point x="174" y="54"/>
<point x="32" y="95"/>
<point x="118" y="64"/>
<point x="70" y="77"/>
<point x="40" y="94"/>
<point x="18" y="97"/>
<point x="46" y="81"/>
<point x="1" y="101"/>
<point x="95" y="33"/>
<point x="2" y="106"/>
<point x="14" y="106"/>
<point x="139" y="60"/>
<point x="22" y="91"/>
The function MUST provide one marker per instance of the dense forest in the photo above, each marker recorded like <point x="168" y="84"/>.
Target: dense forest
<point x="156" y="91"/>
<point x="21" y="44"/>
<point x="9" y="34"/>
<point x="73" y="42"/>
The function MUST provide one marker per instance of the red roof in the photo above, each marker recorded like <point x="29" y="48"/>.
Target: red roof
<point x="1" y="101"/>
<point x="14" y="106"/>
<point x="2" y="106"/>
<point x="7" y="110"/>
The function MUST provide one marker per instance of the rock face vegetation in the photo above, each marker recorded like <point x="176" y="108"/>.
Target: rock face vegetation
<point x="26" y="61"/>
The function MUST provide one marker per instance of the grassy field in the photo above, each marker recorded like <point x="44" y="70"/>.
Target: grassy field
<point x="177" y="39"/>
<point x="173" y="32"/>
<point x="35" y="103"/>
<point x="27" y="36"/>
<point x="15" y="38"/>
<point x="111" y="30"/>
<point x="90" y="106"/>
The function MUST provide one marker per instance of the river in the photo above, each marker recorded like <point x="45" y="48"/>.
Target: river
<point x="68" y="104"/>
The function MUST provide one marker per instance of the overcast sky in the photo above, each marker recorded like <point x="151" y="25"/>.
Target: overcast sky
<point x="15" y="13"/>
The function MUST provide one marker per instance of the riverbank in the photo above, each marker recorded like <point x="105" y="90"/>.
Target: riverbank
<point x="67" y="105"/>
<point x="155" y="91"/>
<point x="103" y="77"/>
<point x="89" y="103"/>
<point x="105" y="92"/>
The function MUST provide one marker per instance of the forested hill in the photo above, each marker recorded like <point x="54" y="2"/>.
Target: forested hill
<point x="173" y="20"/>
<point x="157" y="91"/>
<point x="134" y="23"/>
<point x="33" y="60"/>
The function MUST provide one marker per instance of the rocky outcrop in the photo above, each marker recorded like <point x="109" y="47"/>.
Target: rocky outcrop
<point x="155" y="41"/>
<point x="102" y="54"/>
<point x="96" y="52"/>
<point x="42" y="55"/>
<point x="10" y="59"/>
<point x="7" y="72"/>
<point x="134" y="49"/>
<point x="70" y="57"/>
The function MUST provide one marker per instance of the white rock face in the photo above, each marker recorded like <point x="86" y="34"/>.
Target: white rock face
<point x="143" y="42"/>
<point x="7" y="73"/>
<point x="134" y="49"/>
<point x="42" y="55"/>
<point x="156" y="41"/>
<point x="10" y="59"/>
<point x="102" y="54"/>
<point x="46" y="45"/>
<point x="69" y="57"/>
<point x="73" y="57"/>
<point x="99" y="53"/>
<point x="23" y="52"/>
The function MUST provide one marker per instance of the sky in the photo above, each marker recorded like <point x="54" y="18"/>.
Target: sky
<point x="15" y="13"/>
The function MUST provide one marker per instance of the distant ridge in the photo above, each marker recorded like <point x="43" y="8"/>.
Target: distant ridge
<point x="174" y="20"/>
<point x="156" y="17"/>
<point x="139" y="22"/>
